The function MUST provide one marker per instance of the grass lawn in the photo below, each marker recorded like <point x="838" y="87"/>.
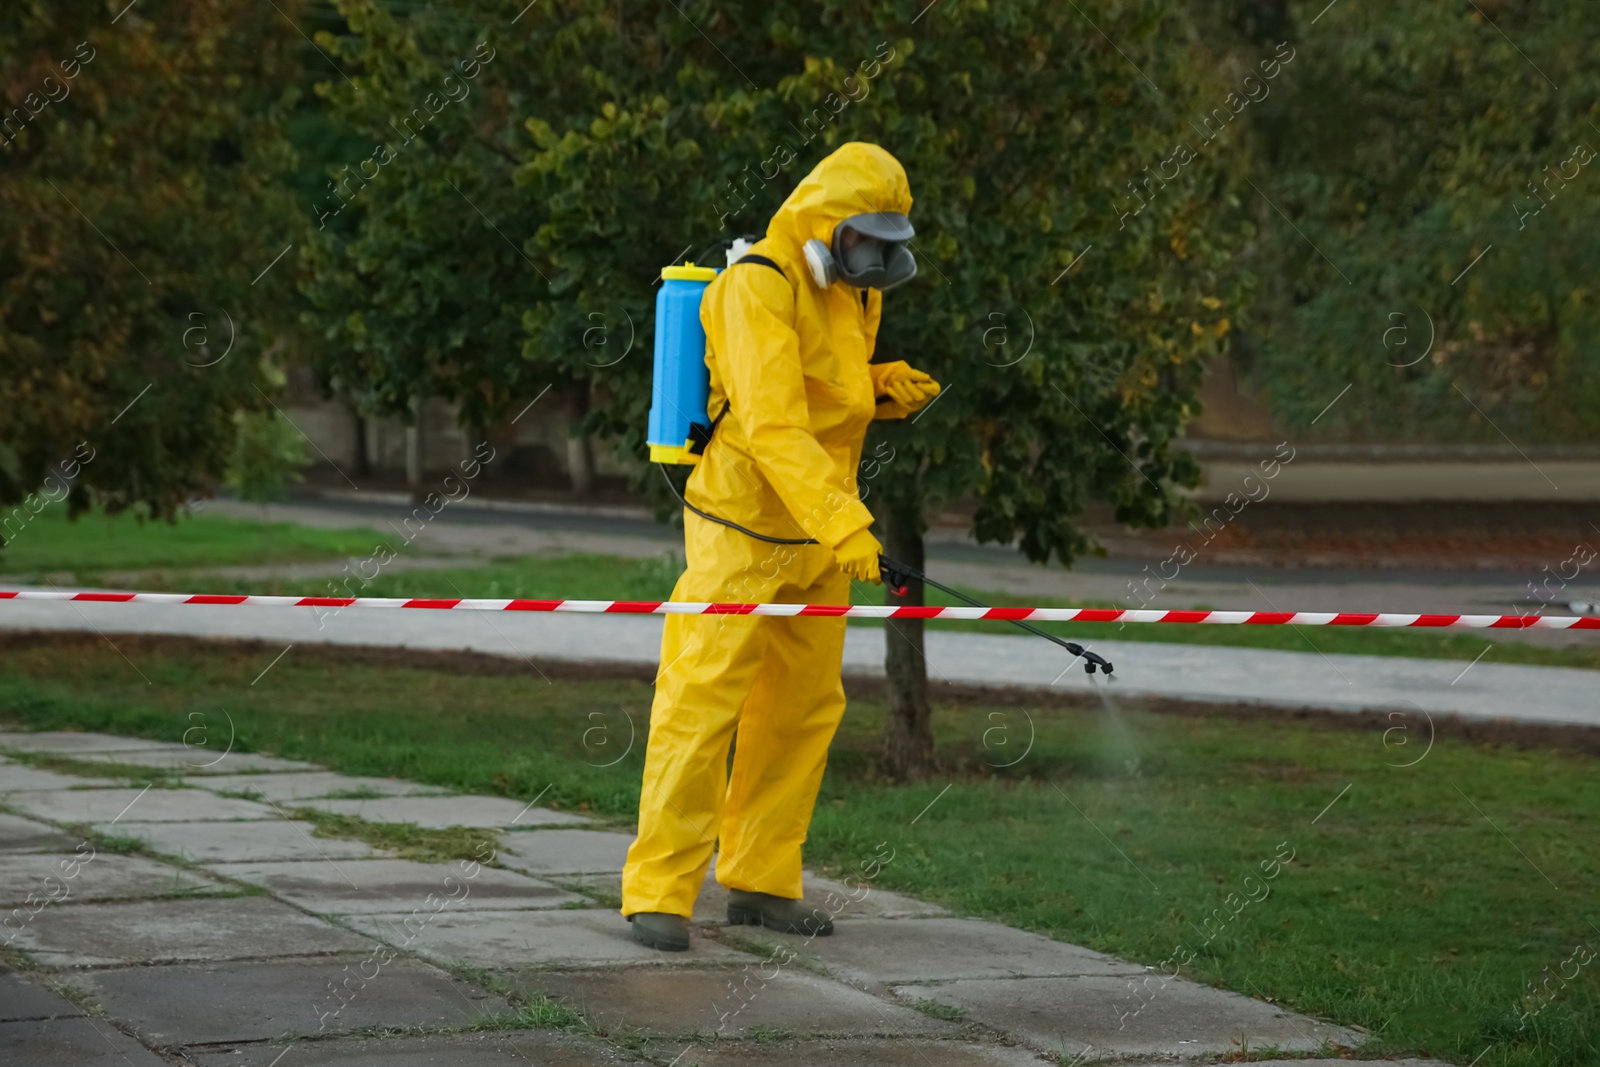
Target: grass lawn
<point x="1423" y="903"/>
<point x="49" y="542"/>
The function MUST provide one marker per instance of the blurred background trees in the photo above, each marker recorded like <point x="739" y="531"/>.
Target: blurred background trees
<point x="1405" y="142"/>
<point x="509" y="239"/>
<point x="142" y="203"/>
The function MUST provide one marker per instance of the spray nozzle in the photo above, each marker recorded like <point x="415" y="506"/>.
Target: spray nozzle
<point x="1092" y="660"/>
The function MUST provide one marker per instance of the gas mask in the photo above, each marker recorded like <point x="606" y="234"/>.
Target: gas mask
<point x="877" y="259"/>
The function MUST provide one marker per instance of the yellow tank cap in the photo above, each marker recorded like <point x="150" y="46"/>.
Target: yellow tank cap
<point x="688" y="273"/>
<point x="676" y="454"/>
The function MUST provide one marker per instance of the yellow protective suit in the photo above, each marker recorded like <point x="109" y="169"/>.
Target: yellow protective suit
<point x="792" y="360"/>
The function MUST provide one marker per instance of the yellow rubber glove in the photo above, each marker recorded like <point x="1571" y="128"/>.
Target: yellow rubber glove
<point x="907" y="386"/>
<point x="914" y="394"/>
<point x="858" y="556"/>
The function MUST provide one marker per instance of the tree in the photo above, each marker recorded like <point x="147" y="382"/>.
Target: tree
<point x="511" y="242"/>
<point x="140" y="222"/>
<point x="640" y="134"/>
<point x="1069" y="327"/>
<point x="414" y="280"/>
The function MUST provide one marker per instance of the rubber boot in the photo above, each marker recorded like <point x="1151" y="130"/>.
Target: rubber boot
<point x="660" y="930"/>
<point x="782" y="914"/>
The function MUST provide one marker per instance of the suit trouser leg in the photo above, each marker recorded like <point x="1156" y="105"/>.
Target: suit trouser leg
<point x="788" y="722"/>
<point x="708" y="664"/>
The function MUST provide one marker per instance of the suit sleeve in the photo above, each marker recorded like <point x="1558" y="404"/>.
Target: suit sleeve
<point x="873" y="313"/>
<point x="758" y="356"/>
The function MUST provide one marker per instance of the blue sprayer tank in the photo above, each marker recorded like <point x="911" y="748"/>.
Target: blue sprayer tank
<point x="681" y="385"/>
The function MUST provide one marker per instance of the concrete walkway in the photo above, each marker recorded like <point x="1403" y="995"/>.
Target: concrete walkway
<point x="1482" y="690"/>
<point x="208" y="925"/>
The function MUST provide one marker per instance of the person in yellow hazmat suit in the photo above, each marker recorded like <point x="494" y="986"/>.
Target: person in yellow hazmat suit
<point x="790" y="330"/>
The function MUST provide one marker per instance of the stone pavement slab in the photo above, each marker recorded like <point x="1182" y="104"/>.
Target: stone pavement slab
<point x="73" y="877"/>
<point x="603" y="890"/>
<point x="1101" y="1016"/>
<point x="145" y="805"/>
<point x="15" y="776"/>
<point x="22" y="999"/>
<point x="544" y="852"/>
<point x="883" y="1052"/>
<point x="441" y="812"/>
<point x="734" y="1002"/>
<point x="201" y="760"/>
<point x="567" y="938"/>
<point x="494" y="1048"/>
<point x="296" y="785"/>
<point x="25" y="835"/>
<point x="206" y="1003"/>
<point x="72" y="743"/>
<point x="883" y="952"/>
<point x="228" y="842"/>
<point x="162" y="931"/>
<point x="72" y="1043"/>
<point x="366" y="887"/>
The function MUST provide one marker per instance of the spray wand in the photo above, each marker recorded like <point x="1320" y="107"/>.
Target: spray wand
<point x="896" y="575"/>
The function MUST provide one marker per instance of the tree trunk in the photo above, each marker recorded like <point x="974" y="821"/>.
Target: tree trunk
<point x="908" y="732"/>
<point x="363" y="458"/>
<point x="580" y="460"/>
<point x="414" y="452"/>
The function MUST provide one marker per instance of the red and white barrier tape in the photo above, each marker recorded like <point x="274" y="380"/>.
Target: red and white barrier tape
<point x="862" y="611"/>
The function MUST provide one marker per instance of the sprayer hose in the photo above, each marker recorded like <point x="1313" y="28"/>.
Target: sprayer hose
<point x="1091" y="660"/>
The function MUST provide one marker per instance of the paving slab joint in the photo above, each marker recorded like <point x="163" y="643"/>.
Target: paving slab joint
<point x="768" y="949"/>
<point x="433" y="842"/>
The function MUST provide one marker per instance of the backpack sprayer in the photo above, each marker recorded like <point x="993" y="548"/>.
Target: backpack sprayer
<point x="681" y="425"/>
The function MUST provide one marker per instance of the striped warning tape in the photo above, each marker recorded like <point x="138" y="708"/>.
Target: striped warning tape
<point x="860" y="611"/>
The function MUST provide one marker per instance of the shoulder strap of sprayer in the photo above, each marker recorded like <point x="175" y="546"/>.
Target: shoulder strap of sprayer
<point x="763" y="261"/>
<point x="700" y="435"/>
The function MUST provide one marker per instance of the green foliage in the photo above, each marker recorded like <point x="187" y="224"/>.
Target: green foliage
<point x="601" y="142"/>
<point x="1071" y="344"/>
<point x="417" y="278"/>
<point x="267" y="455"/>
<point x="1405" y="141"/>
<point x="139" y="208"/>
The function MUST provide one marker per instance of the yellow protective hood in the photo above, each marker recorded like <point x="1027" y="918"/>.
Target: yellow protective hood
<point x="855" y="179"/>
